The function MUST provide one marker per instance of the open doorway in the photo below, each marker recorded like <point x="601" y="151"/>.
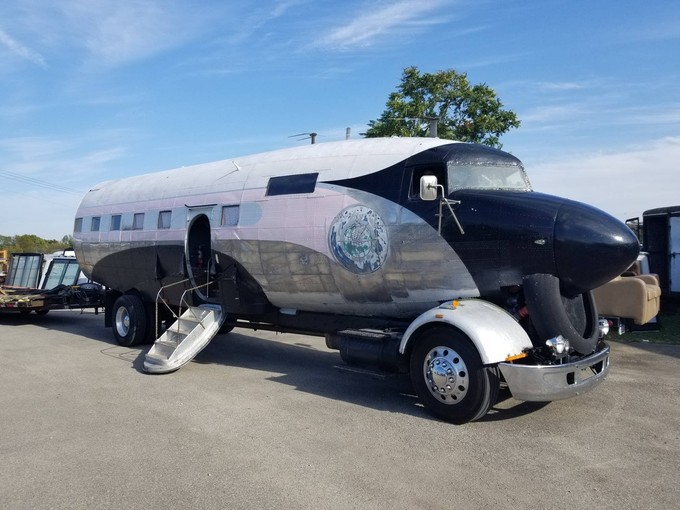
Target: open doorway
<point x="200" y="262"/>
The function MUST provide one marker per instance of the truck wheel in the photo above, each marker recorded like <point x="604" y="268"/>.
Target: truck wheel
<point x="552" y="313"/>
<point x="129" y="320"/>
<point x="448" y="376"/>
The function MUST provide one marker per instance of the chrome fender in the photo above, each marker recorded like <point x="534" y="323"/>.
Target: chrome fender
<point x="494" y="332"/>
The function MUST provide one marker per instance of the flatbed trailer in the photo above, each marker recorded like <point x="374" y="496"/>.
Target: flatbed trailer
<point x="40" y="301"/>
<point x="58" y="287"/>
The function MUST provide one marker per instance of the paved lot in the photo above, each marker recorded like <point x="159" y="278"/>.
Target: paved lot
<point x="261" y="420"/>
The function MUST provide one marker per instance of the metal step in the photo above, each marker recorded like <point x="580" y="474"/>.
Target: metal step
<point x="184" y="339"/>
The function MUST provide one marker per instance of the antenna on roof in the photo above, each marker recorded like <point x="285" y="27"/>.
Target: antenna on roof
<point x="305" y="136"/>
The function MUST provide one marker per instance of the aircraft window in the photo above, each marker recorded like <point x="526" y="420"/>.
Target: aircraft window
<point x="230" y="214"/>
<point x="290" y="184"/>
<point x="164" y="219"/>
<point x="78" y="225"/>
<point x="487" y="176"/>
<point x="115" y="222"/>
<point x="94" y="226"/>
<point x="138" y="221"/>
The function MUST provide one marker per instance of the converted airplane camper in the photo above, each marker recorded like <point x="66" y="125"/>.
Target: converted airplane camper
<point x="416" y="255"/>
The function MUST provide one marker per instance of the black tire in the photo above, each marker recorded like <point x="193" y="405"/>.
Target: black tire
<point x="553" y="313"/>
<point x="470" y="388"/>
<point x="225" y="329"/>
<point x="129" y="320"/>
<point x="43" y="311"/>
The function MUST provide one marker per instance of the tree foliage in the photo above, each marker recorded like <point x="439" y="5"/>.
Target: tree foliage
<point x="464" y="112"/>
<point x="30" y="243"/>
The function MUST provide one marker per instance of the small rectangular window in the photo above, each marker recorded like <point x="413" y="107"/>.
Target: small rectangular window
<point x="138" y="221"/>
<point x="230" y="215"/>
<point x="78" y="225"/>
<point x="94" y="226"/>
<point x="291" y="184"/>
<point x="164" y="219"/>
<point x="115" y="222"/>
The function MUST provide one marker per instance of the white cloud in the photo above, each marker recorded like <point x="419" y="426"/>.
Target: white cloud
<point x="21" y="50"/>
<point x="105" y="32"/>
<point x="558" y="86"/>
<point x="44" y="179"/>
<point x="65" y="162"/>
<point x="116" y="32"/>
<point x="386" y="19"/>
<point x="623" y="183"/>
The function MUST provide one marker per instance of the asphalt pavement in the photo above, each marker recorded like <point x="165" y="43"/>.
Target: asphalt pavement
<point x="266" y="420"/>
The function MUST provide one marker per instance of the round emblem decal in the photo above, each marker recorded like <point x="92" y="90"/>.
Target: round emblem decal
<point x="358" y="239"/>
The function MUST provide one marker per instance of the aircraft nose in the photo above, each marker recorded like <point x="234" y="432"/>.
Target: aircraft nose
<point x="591" y="247"/>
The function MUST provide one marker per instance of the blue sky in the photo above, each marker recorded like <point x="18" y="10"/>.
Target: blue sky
<point x="97" y="89"/>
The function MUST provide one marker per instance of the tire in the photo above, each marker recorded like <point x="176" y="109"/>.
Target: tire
<point x="225" y="329"/>
<point x="43" y="311"/>
<point x="129" y="321"/>
<point x="553" y="313"/>
<point x="470" y="388"/>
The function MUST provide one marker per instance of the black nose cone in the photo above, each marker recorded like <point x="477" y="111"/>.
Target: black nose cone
<point x="591" y="247"/>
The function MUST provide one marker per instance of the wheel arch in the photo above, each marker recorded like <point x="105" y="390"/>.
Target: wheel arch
<point x="495" y="334"/>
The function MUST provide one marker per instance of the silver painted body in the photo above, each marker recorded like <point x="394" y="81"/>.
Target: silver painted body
<point x="288" y="243"/>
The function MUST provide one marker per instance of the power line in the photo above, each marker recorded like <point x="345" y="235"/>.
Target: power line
<point x="38" y="182"/>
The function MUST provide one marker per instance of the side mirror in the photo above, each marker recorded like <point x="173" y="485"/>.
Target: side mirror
<point x="428" y="187"/>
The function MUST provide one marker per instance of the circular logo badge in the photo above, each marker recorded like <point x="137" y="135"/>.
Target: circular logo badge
<point x="358" y="239"/>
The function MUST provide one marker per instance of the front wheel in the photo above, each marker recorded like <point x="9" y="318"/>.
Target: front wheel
<point x="448" y="376"/>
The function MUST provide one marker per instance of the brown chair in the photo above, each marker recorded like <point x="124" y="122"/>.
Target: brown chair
<point x="630" y="297"/>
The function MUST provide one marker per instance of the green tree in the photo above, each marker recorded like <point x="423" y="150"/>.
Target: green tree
<point x="30" y="243"/>
<point x="464" y="112"/>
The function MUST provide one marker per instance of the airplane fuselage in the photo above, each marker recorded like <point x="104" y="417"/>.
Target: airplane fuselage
<point x="340" y="228"/>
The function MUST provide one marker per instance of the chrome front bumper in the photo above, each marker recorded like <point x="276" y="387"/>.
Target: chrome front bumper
<point x="543" y="383"/>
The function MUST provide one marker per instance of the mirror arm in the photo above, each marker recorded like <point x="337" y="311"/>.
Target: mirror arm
<point x="448" y="203"/>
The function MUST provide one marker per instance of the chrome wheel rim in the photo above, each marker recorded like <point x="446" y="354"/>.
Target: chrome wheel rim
<point x="122" y="321"/>
<point x="446" y="375"/>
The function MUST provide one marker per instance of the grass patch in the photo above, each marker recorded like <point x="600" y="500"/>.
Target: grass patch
<point x="669" y="332"/>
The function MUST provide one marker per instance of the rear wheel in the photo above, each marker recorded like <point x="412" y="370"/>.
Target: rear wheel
<point x="449" y="377"/>
<point x="129" y="320"/>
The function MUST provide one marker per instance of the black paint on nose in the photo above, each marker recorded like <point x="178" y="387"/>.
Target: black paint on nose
<point x="591" y="247"/>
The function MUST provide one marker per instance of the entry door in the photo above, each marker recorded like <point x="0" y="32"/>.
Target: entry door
<point x="198" y="251"/>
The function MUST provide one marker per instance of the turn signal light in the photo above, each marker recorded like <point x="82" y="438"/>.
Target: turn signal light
<point x="517" y="356"/>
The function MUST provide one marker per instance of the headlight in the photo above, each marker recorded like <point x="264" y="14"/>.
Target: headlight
<point x="604" y="328"/>
<point x="559" y="344"/>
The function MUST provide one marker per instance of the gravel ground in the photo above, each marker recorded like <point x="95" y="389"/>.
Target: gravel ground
<point x="261" y="420"/>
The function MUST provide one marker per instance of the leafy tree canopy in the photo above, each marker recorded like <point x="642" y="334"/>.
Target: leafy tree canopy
<point x="30" y="243"/>
<point x="464" y="112"/>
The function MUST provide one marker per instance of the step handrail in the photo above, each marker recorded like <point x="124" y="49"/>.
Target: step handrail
<point x="182" y="300"/>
